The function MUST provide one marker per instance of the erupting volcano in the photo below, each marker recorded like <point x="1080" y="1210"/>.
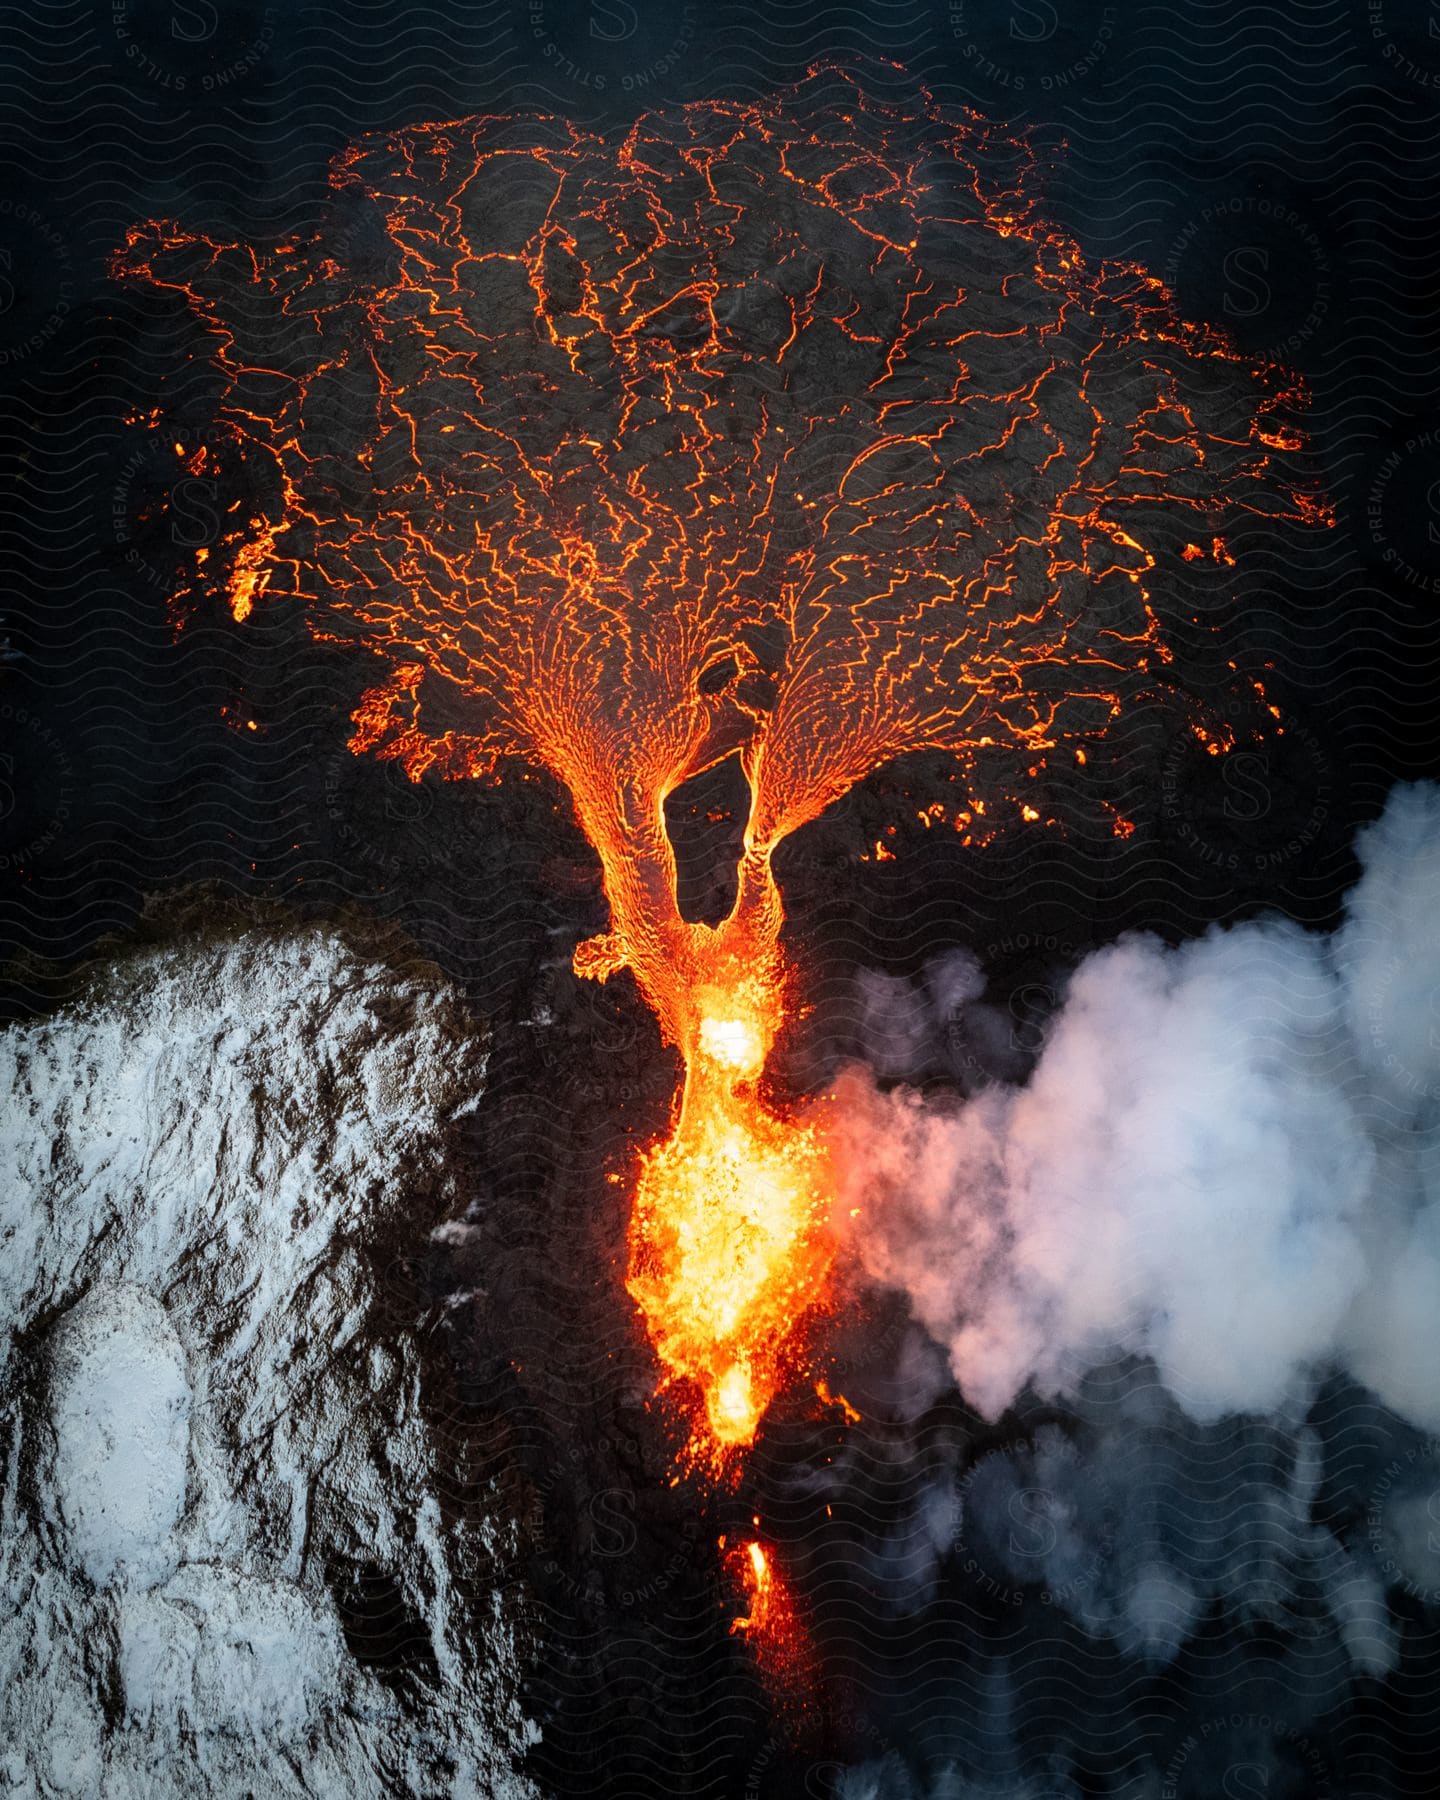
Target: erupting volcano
<point x="785" y="431"/>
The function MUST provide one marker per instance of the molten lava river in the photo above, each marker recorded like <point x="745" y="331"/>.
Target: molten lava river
<point x="786" y="431"/>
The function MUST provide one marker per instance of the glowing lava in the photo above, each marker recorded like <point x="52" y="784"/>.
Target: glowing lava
<point x="771" y="1623"/>
<point x="785" y="430"/>
<point x="758" y="1579"/>
<point x="729" y="1247"/>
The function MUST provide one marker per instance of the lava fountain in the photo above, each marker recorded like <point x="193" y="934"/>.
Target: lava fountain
<point x="786" y="431"/>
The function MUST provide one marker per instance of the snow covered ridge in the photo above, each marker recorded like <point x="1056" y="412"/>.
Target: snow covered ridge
<point x="207" y="1431"/>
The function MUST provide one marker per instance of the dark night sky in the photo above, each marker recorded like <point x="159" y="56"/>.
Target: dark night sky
<point x="1278" y="165"/>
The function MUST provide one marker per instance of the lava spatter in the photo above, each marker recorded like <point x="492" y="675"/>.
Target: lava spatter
<point x="771" y="1623"/>
<point x="785" y="430"/>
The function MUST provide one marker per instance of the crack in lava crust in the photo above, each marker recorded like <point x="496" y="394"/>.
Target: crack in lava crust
<point x="785" y="430"/>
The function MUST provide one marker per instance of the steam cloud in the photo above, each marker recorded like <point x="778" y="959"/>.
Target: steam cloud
<point x="1197" y="1251"/>
<point x="1219" y="1161"/>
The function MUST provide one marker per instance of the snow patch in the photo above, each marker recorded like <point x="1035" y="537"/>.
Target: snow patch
<point x="213" y="1437"/>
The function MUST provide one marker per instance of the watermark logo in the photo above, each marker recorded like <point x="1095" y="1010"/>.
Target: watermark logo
<point x="36" y="783"/>
<point x="1259" y="268"/>
<point x="1019" y="1536"/>
<point x="777" y="1772"/>
<point x="984" y="1042"/>
<point x="1246" y="1756"/>
<point x="1402" y="513"/>
<point x="1402" y="1523"/>
<point x="626" y="47"/>
<point x="162" y="478"/>
<point x="1031" y="46"/>
<point x="195" y="47"/>
<point x="1406" y="35"/>
<point x="37" y="285"/>
<point x="1402" y="1029"/>
<point x="636" y="1570"/>
<point x="1250" y="811"/>
<point x="379" y="820"/>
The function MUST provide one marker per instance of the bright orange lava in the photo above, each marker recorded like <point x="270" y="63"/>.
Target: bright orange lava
<point x="785" y="430"/>
<point x="758" y="1579"/>
<point x="771" y="1624"/>
<point x="728" y="1249"/>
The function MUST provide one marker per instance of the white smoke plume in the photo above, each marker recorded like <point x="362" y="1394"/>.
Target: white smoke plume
<point x="1220" y="1162"/>
<point x="1172" y="1260"/>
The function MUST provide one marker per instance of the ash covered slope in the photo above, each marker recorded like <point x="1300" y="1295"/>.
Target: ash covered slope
<point x="215" y="1449"/>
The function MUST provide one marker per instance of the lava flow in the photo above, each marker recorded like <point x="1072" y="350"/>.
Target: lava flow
<point x="728" y="1243"/>
<point x="772" y="1622"/>
<point x="785" y="431"/>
